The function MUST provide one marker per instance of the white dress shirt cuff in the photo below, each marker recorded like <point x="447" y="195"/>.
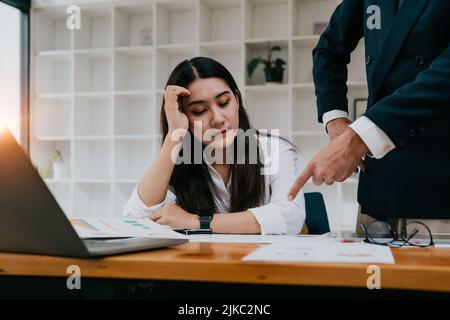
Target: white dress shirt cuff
<point x="376" y="140"/>
<point x="269" y="222"/>
<point x="333" y="114"/>
<point x="137" y="209"/>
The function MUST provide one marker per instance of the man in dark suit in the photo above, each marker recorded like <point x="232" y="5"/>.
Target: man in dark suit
<point x="404" y="136"/>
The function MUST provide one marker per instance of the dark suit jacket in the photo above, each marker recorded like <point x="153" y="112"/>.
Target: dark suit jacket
<point x="408" y="77"/>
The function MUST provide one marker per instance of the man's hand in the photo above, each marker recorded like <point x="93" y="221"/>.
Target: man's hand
<point x="337" y="127"/>
<point x="335" y="162"/>
<point x="175" y="217"/>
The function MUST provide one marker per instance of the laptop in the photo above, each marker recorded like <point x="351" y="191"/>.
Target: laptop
<point x="31" y="221"/>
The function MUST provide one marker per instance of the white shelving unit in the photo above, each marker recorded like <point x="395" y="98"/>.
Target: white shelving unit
<point x="97" y="91"/>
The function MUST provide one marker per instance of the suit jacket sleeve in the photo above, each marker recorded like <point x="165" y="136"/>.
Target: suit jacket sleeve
<point x="332" y="54"/>
<point x="416" y="104"/>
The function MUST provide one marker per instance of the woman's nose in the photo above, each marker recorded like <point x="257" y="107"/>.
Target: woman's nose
<point x="218" y="119"/>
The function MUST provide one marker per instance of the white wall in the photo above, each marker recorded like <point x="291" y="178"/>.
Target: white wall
<point x="10" y="68"/>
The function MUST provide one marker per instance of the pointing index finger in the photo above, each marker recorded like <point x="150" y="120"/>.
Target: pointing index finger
<point x="300" y="182"/>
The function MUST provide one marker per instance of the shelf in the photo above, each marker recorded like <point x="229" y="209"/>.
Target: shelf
<point x="262" y="106"/>
<point x="57" y="96"/>
<point x="92" y="181"/>
<point x="92" y="72"/>
<point x="307" y="86"/>
<point x="310" y="40"/>
<point x="134" y="71"/>
<point x="92" y="94"/>
<point x="176" y="22"/>
<point x="52" y="74"/>
<point x="122" y="192"/>
<point x="176" y="48"/>
<point x="54" y="54"/>
<point x="52" y="118"/>
<point x="42" y="152"/>
<point x="135" y="51"/>
<point x="306" y="13"/>
<point x="215" y="17"/>
<point x="265" y="88"/>
<point x="92" y="200"/>
<point x="132" y="158"/>
<point x="62" y="191"/>
<point x="94" y="53"/>
<point x="92" y="159"/>
<point x="263" y="41"/>
<point x="96" y="29"/>
<point x="309" y="146"/>
<point x="304" y="112"/>
<point x="133" y="116"/>
<point x="57" y="181"/>
<point x="302" y="63"/>
<point x="168" y="58"/>
<point x="133" y="25"/>
<point x="357" y="85"/>
<point x="229" y="54"/>
<point x="91" y="138"/>
<point x="50" y="28"/>
<point x="259" y="12"/>
<point x="52" y="138"/>
<point x="134" y="93"/>
<point x="92" y="116"/>
<point x="134" y="137"/>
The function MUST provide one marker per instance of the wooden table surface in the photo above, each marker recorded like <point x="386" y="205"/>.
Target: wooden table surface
<point x="415" y="268"/>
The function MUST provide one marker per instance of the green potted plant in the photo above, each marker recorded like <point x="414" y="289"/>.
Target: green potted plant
<point x="273" y="69"/>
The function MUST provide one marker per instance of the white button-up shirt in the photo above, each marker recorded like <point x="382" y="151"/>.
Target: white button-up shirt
<point x="276" y="215"/>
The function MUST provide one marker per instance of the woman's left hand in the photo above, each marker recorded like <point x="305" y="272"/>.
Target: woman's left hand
<point x="175" y="217"/>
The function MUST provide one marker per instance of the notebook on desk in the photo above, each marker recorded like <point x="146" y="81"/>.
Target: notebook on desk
<point x="33" y="222"/>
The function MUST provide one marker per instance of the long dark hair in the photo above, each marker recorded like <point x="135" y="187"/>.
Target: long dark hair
<point x="192" y="183"/>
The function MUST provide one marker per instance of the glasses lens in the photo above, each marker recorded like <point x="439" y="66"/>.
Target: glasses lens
<point x="380" y="232"/>
<point x="418" y="234"/>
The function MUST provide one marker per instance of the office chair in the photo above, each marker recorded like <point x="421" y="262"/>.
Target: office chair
<point x="316" y="213"/>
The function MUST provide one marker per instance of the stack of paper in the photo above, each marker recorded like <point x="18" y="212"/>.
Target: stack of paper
<point x="114" y="227"/>
<point x="332" y="252"/>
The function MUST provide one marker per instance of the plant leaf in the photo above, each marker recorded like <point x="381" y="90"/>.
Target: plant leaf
<point x="275" y="48"/>
<point x="279" y="63"/>
<point x="253" y="64"/>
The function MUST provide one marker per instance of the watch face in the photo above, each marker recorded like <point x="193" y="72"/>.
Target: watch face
<point x="205" y="222"/>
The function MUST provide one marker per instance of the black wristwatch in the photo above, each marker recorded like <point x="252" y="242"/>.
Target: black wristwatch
<point x="205" y="216"/>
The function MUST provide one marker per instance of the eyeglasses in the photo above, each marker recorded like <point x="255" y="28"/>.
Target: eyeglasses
<point x="414" y="233"/>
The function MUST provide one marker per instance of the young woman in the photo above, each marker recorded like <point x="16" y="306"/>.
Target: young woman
<point x="203" y="110"/>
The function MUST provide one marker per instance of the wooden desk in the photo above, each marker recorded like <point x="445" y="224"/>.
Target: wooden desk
<point x="425" y="269"/>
